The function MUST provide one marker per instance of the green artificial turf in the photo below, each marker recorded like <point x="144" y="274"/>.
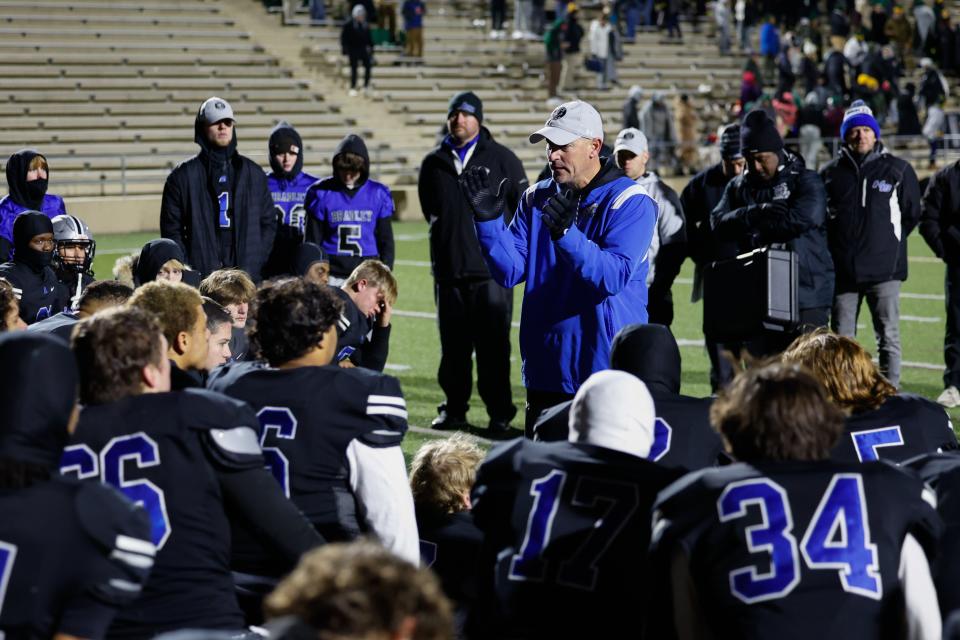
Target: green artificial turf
<point x="415" y="345"/>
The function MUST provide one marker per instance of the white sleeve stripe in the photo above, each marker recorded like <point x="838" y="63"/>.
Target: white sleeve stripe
<point x="132" y="559"/>
<point x="387" y="411"/>
<point x="125" y="585"/>
<point x="136" y="545"/>
<point x="394" y="400"/>
<point x="629" y="192"/>
<point x="386" y="432"/>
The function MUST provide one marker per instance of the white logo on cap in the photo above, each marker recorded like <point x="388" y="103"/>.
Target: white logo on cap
<point x="558" y="113"/>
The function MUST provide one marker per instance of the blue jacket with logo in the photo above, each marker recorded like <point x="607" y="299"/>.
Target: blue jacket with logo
<point x="872" y="206"/>
<point x="583" y="288"/>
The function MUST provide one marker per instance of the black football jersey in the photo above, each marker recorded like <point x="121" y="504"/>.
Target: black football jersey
<point x="682" y="436"/>
<point x="942" y="472"/>
<point x="309" y="416"/>
<point x="71" y="555"/>
<point x="903" y="427"/>
<point x="353" y="328"/>
<point x="450" y="545"/>
<point x="791" y="549"/>
<point x="164" y="451"/>
<point x="565" y="529"/>
<point x="59" y="325"/>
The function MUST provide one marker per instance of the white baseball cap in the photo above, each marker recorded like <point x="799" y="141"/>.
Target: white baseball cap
<point x="570" y="121"/>
<point x="613" y="409"/>
<point x="216" y="109"/>
<point x="632" y="140"/>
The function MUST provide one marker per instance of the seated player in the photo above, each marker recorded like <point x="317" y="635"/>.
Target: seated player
<point x="35" y="284"/>
<point x="363" y="330"/>
<point x="233" y="290"/>
<point x="73" y="255"/>
<point x="441" y="478"/>
<point x="160" y="259"/>
<point x="787" y="542"/>
<point x="179" y="310"/>
<point x="96" y="297"/>
<point x="10" y="309"/>
<point x="27" y="180"/>
<point x="359" y="590"/>
<point x="348" y="214"/>
<point x="311" y="263"/>
<point x="881" y="423"/>
<point x="190" y="458"/>
<point x="566" y="524"/>
<point x="683" y="436"/>
<point x="219" y="326"/>
<point x="71" y="554"/>
<point x="332" y="436"/>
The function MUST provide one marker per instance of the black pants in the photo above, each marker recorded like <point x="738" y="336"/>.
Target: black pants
<point x="951" y="339"/>
<point x="768" y="343"/>
<point x="355" y="61"/>
<point x="474" y="317"/>
<point x="498" y="12"/>
<point x="537" y="403"/>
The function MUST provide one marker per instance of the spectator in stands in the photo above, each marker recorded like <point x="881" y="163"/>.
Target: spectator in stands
<point x="27" y="178"/>
<point x="498" y="13"/>
<point x="721" y="16"/>
<point x="778" y="200"/>
<point x="835" y="72"/>
<point x="839" y="27"/>
<point x="537" y="17"/>
<point x="908" y="121"/>
<point x="553" y="41"/>
<point x="940" y="227"/>
<point x="100" y="295"/>
<point x="473" y="311"/>
<point x="10" y="319"/>
<point x="160" y="259"/>
<point x="745" y="13"/>
<point x="699" y="197"/>
<point x="413" y="12"/>
<point x="668" y="246"/>
<point x="769" y="44"/>
<point x="73" y="255"/>
<point x="585" y="274"/>
<point x="599" y="38"/>
<point x="671" y="18"/>
<point x="216" y="206"/>
<point x="350" y="215"/>
<point x="357" y="44"/>
<point x="361" y="590"/>
<point x="656" y="122"/>
<point x="925" y="19"/>
<point x="179" y="309"/>
<point x="750" y="90"/>
<point x="867" y="229"/>
<point x="234" y="291"/>
<point x="219" y="330"/>
<point x="688" y="134"/>
<point x="34" y="282"/>
<point x="631" y="108"/>
<point x="934" y="127"/>
<point x="809" y="67"/>
<point x="288" y="184"/>
<point x="521" y="18"/>
<point x="311" y="263"/>
<point x="900" y="32"/>
<point x="933" y="86"/>
<point x="572" y="56"/>
<point x="442" y="474"/>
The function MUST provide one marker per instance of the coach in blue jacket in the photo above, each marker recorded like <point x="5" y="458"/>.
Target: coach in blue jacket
<point x="579" y="241"/>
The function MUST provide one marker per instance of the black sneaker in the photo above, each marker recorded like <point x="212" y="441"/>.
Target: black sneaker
<point x="498" y="428"/>
<point x="448" y="422"/>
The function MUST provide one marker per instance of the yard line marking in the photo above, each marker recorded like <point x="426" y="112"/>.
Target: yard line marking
<point x="425" y="315"/>
<point x="412" y="263"/>
<point x="923" y="296"/>
<point x="410" y="237"/>
<point x="397" y="367"/>
<point x="925" y="319"/>
<point x="925" y="259"/>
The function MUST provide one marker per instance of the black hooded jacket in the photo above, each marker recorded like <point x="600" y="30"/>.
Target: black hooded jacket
<point x="454" y="248"/>
<point x="683" y="436"/>
<point x="327" y="232"/>
<point x="34" y="282"/>
<point x="189" y="212"/>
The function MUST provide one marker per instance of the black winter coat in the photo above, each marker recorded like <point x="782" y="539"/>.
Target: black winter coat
<point x="454" y="248"/>
<point x="742" y="225"/>
<point x="189" y="215"/>
<point x="40" y="293"/>
<point x="940" y="216"/>
<point x="871" y="209"/>
<point x="355" y="39"/>
<point x="698" y="199"/>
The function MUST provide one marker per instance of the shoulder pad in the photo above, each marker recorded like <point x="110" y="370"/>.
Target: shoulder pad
<point x="121" y="531"/>
<point x="203" y="410"/>
<point x="225" y="375"/>
<point x="385" y="407"/>
<point x="236" y="448"/>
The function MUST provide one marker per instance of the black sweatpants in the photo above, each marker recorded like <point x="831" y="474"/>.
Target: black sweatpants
<point x="474" y="317"/>
<point x="355" y="61"/>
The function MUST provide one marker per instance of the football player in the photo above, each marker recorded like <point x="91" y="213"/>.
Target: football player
<point x="787" y="542"/>
<point x="363" y="330"/>
<point x="881" y="423"/>
<point x="331" y="435"/>
<point x="100" y="295"/>
<point x="187" y="457"/>
<point x="566" y="523"/>
<point x="71" y="554"/>
<point x="348" y="214"/>
<point x="219" y="326"/>
<point x="73" y="255"/>
<point x="683" y="436"/>
<point x="35" y="284"/>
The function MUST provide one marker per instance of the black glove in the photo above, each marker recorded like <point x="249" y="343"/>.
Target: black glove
<point x="559" y="213"/>
<point x="475" y="185"/>
<point x="775" y="208"/>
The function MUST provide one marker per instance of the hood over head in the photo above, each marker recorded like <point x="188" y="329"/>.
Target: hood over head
<point x="307" y="254"/>
<point x="209" y="113"/>
<point x="601" y="416"/>
<point x="27" y="225"/>
<point x="27" y="194"/>
<point x="153" y="256"/>
<point x="650" y="352"/>
<point x="352" y="143"/>
<point x="284" y="138"/>
<point x="38" y="390"/>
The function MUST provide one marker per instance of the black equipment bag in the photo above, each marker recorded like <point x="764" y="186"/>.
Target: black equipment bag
<point x="753" y="292"/>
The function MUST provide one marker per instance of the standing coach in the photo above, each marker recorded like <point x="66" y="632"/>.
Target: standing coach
<point x="579" y="241"/>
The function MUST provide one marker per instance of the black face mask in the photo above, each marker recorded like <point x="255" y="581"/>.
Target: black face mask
<point x="34" y="259"/>
<point x="36" y="189"/>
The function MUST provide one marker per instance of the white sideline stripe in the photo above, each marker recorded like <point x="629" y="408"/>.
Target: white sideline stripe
<point x="923" y="296"/>
<point x="924" y="259"/>
<point x="926" y="319"/>
<point x="136" y="545"/>
<point x="387" y="411"/>
<point x="410" y="237"/>
<point x="394" y="400"/>
<point x="132" y="559"/>
<point x="397" y="367"/>
<point x="411" y="263"/>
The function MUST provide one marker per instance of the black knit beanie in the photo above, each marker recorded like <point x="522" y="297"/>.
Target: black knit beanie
<point x="759" y="134"/>
<point x="468" y="102"/>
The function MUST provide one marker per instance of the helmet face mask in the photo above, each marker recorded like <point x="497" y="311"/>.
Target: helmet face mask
<point x="75" y="247"/>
